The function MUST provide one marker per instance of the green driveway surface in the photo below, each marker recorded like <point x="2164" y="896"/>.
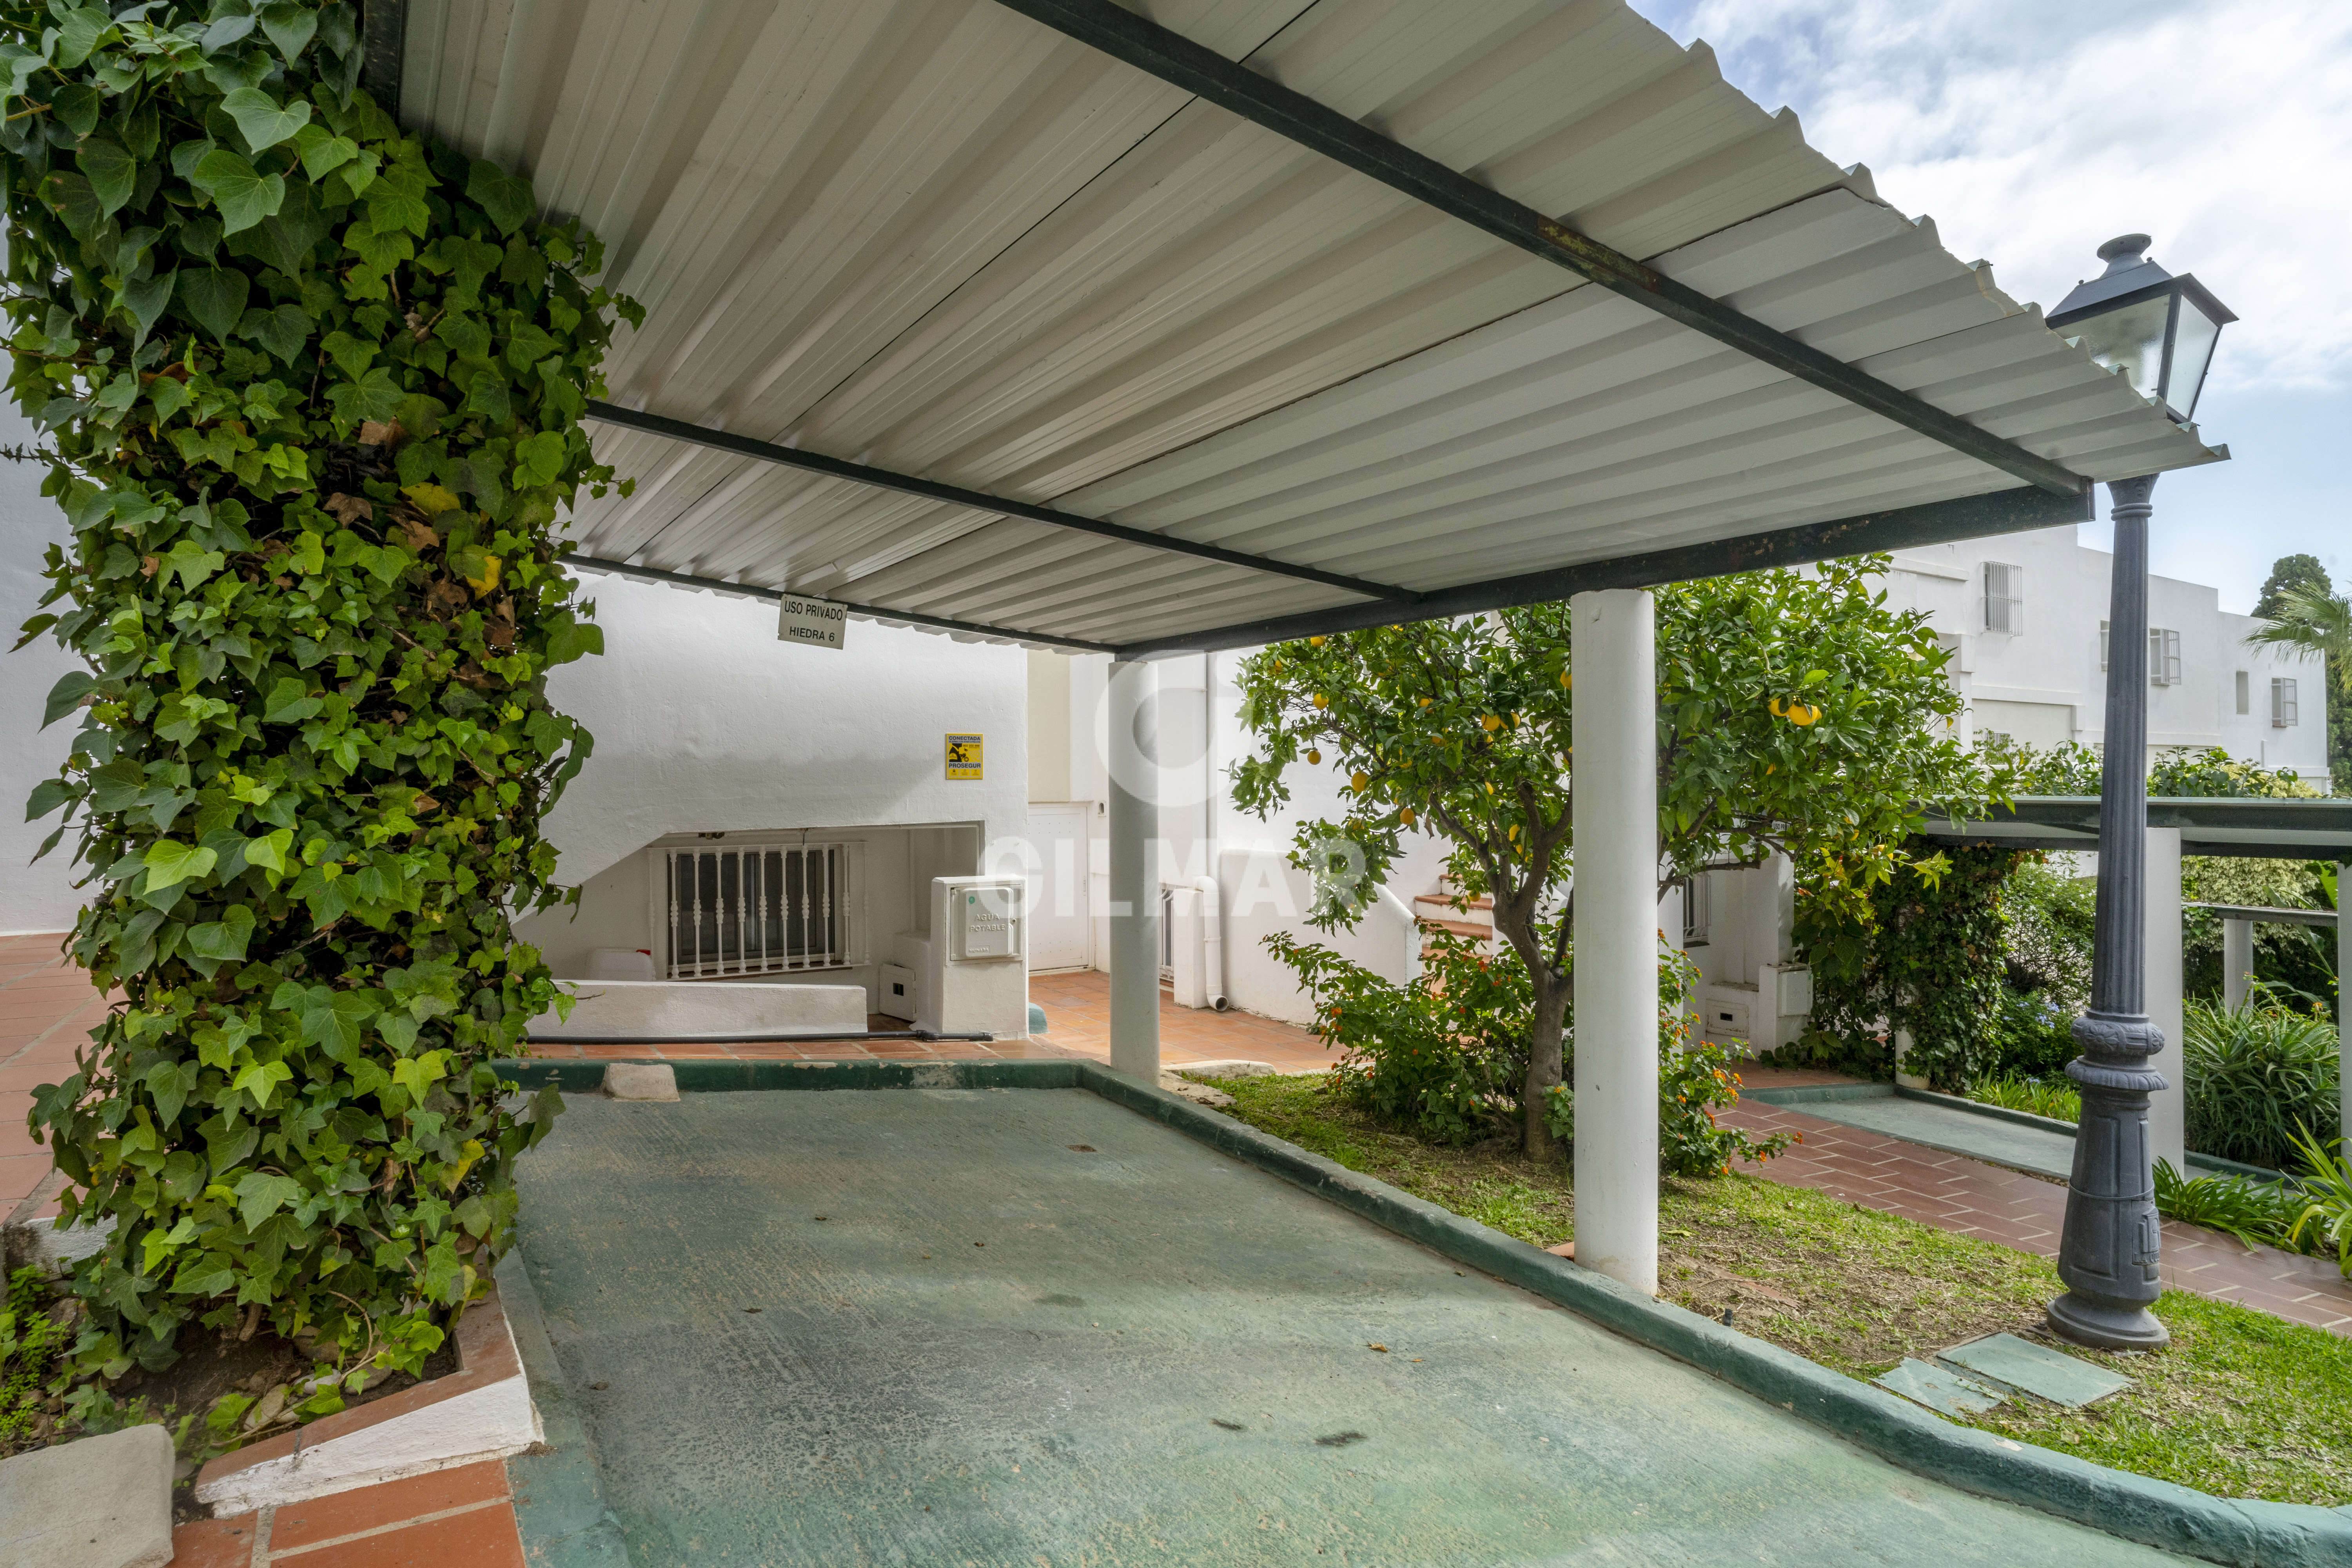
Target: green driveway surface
<point x="996" y="1350"/>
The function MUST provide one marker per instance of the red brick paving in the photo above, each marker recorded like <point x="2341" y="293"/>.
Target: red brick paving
<point x="1077" y="1013"/>
<point x="461" y="1518"/>
<point x="48" y="1008"/>
<point x="1954" y="1193"/>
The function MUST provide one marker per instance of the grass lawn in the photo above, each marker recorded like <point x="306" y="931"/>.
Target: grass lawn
<point x="2242" y="1405"/>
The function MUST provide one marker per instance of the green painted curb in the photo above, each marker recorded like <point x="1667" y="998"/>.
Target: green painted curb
<point x="1815" y="1093"/>
<point x="2211" y="1162"/>
<point x="558" y="1497"/>
<point x="2246" y="1532"/>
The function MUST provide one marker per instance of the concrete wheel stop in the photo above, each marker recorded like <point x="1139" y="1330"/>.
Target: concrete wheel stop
<point x="640" y="1081"/>
<point x="100" y="1503"/>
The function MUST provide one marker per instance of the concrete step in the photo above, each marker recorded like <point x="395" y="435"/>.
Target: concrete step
<point x="100" y="1503"/>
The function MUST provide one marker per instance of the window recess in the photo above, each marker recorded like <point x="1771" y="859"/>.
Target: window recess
<point x="763" y="909"/>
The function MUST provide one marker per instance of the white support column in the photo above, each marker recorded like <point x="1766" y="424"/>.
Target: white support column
<point x="2237" y="961"/>
<point x="2168" y="1109"/>
<point x="1134" y="833"/>
<point x="1615" y="775"/>
<point x="2343" y="1012"/>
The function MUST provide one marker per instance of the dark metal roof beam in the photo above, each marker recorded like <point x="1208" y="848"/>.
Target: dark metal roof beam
<point x="1178" y="61"/>
<point x="1936" y="523"/>
<point x="750" y="591"/>
<point x="978" y="501"/>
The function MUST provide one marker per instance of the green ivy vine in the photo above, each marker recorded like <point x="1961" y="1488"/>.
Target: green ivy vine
<point x="313" y="385"/>
<point x="1928" y="959"/>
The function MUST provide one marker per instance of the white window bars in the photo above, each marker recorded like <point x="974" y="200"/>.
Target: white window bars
<point x="2163" y="656"/>
<point x="2004" y="597"/>
<point x="2283" y="704"/>
<point x="762" y="909"/>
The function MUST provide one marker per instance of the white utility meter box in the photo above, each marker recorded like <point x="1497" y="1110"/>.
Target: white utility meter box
<point x="976" y="959"/>
<point x="984" y="921"/>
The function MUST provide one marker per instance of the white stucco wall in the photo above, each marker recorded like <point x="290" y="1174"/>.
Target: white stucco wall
<point x="1203" y="832"/>
<point x="706" y="723"/>
<point x="33" y="898"/>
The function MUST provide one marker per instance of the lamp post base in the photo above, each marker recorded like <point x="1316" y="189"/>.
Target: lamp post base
<point x="2105" y="1325"/>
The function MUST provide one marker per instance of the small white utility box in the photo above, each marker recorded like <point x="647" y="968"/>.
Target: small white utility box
<point x="978" y="972"/>
<point x="896" y="991"/>
<point x="984" y="921"/>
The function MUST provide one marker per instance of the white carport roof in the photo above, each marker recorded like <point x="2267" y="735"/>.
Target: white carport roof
<point x="1243" y="366"/>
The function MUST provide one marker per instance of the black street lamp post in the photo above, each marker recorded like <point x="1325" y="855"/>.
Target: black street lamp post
<point x="2159" y="330"/>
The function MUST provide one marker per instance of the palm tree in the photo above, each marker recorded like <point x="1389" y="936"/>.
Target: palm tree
<point x="2313" y="619"/>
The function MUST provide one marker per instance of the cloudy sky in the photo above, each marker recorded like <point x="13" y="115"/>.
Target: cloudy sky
<point x="2033" y="131"/>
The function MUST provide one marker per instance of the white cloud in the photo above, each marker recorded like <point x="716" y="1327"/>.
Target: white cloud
<point x="2033" y="131"/>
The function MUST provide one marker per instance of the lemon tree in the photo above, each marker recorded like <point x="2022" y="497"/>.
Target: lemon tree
<point x="311" y="388"/>
<point x="1798" y="714"/>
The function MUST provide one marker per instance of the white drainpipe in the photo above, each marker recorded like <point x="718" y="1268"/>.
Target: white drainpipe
<point x="1213" y="945"/>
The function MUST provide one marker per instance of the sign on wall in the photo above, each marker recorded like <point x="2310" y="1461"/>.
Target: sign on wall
<point x="818" y="623"/>
<point x="963" y="756"/>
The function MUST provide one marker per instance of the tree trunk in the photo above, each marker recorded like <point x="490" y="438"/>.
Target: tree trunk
<point x="1544" y="1062"/>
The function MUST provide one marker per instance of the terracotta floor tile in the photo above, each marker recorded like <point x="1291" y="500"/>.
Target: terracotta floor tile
<point x="372" y="1508"/>
<point x="481" y="1537"/>
<point x="214" y="1542"/>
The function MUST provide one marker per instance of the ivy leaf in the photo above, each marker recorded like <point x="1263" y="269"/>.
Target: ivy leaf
<point x="418" y="1075"/>
<point x="113" y="173"/>
<point x="291" y="27"/>
<point x="78" y="33"/>
<point x="216" y="296"/>
<point x="170" y="862"/>
<point x="171" y="1083"/>
<point x="269" y="851"/>
<point x="47" y="795"/>
<point x="261" y="1194"/>
<point x="190" y="563"/>
<point x="283" y="331"/>
<point x="432" y="499"/>
<point x="75" y="201"/>
<point x="572" y="639"/>
<point x="540" y="458"/>
<point x="225" y="938"/>
<point x="487" y="398"/>
<point x="374" y="395"/>
<point x="507" y="198"/>
<point x="262" y="121"/>
<point x="66" y="695"/>
<point x="145" y="300"/>
<point x="289" y="702"/>
<point x="323" y="151"/>
<point x="244" y="195"/>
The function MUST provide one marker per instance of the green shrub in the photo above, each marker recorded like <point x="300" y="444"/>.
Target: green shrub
<point x="2257" y="1074"/>
<point x="2054" y="1097"/>
<point x="31" y="1340"/>
<point x="2029" y="1034"/>
<point x="2258" y="1213"/>
<point x="2050" y="916"/>
<point x="314" y="386"/>
<point x="2326" y="1220"/>
<point x="1446" y="1054"/>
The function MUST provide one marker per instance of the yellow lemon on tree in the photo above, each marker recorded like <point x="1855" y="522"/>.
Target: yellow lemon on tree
<point x="1801" y="713"/>
<point x="1314" y="642"/>
<point x="1425" y="701"/>
<point x="1359" y="780"/>
<point x="1321" y="700"/>
<point x="1313" y="755"/>
<point x="1775" y="706"/>
<point x="1567" y="682"/>
<point x="1491" y="723"/>
<point x="1407" y="817"/>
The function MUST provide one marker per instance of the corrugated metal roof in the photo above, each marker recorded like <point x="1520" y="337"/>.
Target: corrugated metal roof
<point x="934" y="236"/>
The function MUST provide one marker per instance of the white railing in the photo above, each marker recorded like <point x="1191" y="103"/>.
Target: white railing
<point x="761" y="909"/>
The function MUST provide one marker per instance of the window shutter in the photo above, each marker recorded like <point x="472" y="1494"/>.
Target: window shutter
<point x="2283" y="704"/>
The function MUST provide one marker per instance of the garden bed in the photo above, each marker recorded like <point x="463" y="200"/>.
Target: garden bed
<point x="2242" y="1405"/>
